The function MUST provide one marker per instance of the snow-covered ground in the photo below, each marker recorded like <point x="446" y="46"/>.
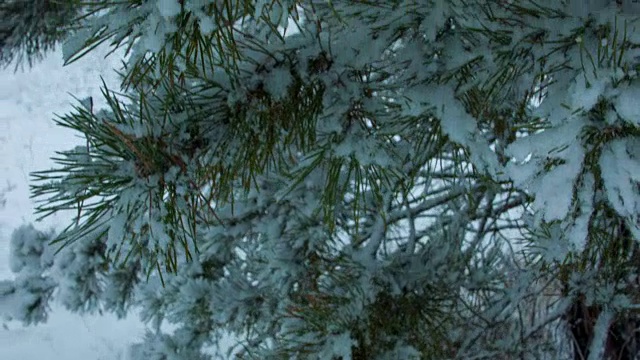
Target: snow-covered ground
<point x="28" y="138"/>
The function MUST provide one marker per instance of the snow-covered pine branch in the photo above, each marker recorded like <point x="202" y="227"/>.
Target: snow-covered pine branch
<point x="356" y="180"/>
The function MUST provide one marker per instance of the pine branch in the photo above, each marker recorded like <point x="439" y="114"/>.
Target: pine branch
<point x="29" y="29"/>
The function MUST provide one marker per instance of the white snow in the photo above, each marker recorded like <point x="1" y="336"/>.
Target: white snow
<point x="596" y="350"/>
<point x="552" y="187"/>
<point x="69" y="337"/>
<point x="168" y="8"/>
<point x="277" y="82"/>
<point x="621" y="175"/>
<point x="627" y="104"/>
<point x="28" y="138"/>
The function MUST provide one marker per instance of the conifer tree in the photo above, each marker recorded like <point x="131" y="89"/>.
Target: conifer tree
<point x="30" y="28"/>
<point x="352" y="180"/>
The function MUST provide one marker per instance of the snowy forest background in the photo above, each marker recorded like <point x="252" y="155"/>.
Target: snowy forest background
<point x="29" y="99"/>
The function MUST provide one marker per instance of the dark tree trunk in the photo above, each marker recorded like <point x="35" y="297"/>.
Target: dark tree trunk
<point x="581" y="320"/>
<point x="621" y="258"/>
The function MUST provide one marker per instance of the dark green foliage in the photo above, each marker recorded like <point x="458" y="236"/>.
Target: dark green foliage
<point x="30" y="28"/>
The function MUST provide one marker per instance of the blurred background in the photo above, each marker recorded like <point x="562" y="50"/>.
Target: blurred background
<point x="29" y="101"/>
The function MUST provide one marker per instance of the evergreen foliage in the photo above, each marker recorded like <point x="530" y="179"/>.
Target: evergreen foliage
<point x="30" y="28"/>
<point x="352" y="180"/>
